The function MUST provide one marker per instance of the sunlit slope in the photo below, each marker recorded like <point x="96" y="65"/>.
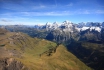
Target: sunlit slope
<point x="18" y="49"/>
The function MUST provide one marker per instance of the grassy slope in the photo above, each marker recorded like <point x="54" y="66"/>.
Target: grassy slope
<point x="31" y="52"/>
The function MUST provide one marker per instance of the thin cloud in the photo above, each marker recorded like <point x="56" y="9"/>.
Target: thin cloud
<point x="38" y="7"/>
<point x="4" y="20"/>
<point x="70" y="4"/>
<point x="80" y="11"/>
<point x="42" y="6"/>
<point x="100" y="11"/>
<point x="52" y="13"/>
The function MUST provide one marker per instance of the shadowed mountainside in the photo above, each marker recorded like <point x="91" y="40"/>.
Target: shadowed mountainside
<point x="90" y="52"/>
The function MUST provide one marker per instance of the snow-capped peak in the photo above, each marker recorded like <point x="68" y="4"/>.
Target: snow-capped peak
<point x="47" y="23"/>
<point x="66" y="22"/>
<point x="98" y="29"/>
<point x="84" y="28"/>
<point x="69" y="26"/>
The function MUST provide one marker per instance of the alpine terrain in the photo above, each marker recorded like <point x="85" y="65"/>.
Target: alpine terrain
<point x="18" y="51"/>
<point x="84" y="40"/>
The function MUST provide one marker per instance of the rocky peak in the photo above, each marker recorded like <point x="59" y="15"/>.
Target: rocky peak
<point x="67" y="22"/>
<point x="55" y="25"/>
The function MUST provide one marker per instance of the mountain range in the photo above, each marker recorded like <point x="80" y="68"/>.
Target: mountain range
<point x="19" y="51"/>
<point x="68" y="30"/>
<point x="97" y="26"/>
<point x="84" y="40"/>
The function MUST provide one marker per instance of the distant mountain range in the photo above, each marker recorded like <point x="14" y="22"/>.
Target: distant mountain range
<point x="68" y="30"/>
<point x="64" y="32"/>
<point x="69" y="26"/>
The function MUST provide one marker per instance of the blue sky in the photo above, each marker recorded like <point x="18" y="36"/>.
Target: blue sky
<point x="31" y="12"/>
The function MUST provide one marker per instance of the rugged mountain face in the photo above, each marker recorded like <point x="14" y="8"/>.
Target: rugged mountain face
<point x="64" y="32"/>
<point x="67" y="31"/>
<point x="102" y="34"/>
<point x="19" y="51"/>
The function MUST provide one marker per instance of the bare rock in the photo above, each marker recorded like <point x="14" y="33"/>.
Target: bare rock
<point x="11" y="64"/>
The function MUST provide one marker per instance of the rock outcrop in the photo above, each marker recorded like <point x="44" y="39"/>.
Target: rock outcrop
<point x="11" y="64"/>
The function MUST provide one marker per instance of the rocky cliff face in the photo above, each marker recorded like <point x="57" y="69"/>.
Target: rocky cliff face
<point x="61" y="36"/>
<point x="11" y="64"/>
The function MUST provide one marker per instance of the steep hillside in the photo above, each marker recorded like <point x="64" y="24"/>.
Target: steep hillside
<point x="90" y="52"/>
<point x="19" y="51"/>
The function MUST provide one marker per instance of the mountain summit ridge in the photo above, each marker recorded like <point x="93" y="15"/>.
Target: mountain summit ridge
<point x="97" y="26"/>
